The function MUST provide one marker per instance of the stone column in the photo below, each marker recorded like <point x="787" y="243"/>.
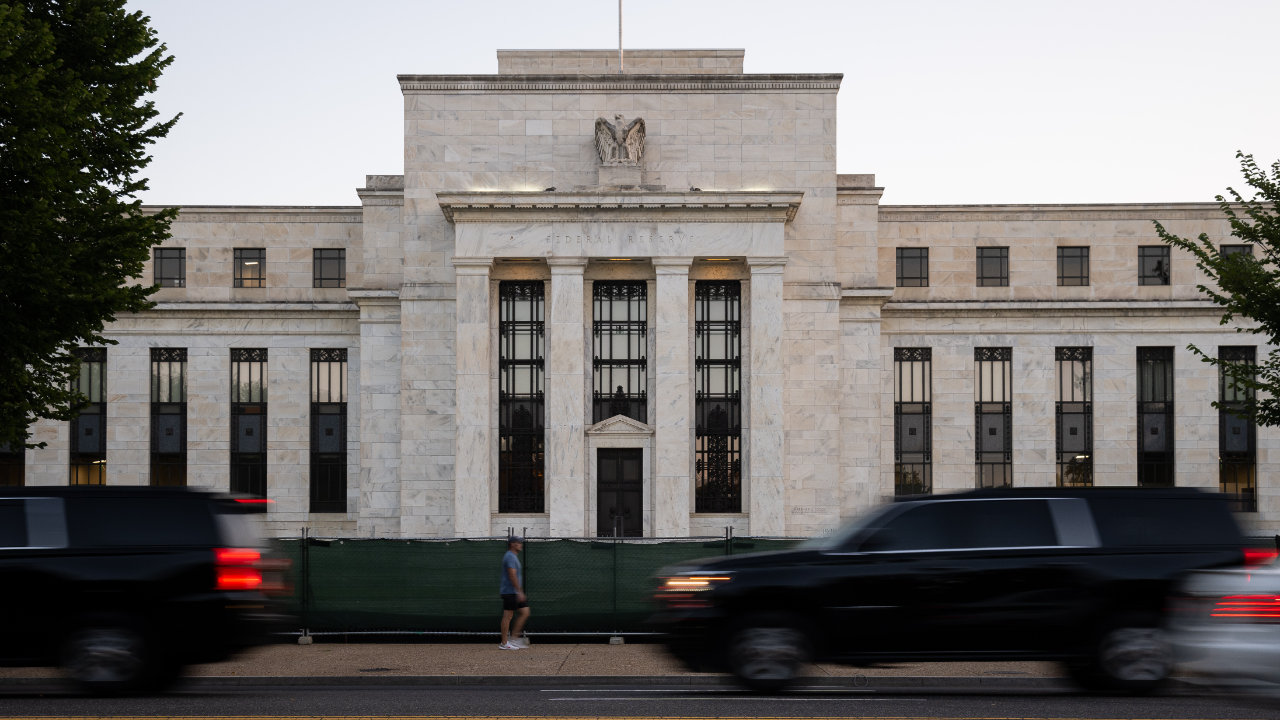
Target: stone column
<point x="379" y="512"/>
<point x="565" y="454"/>
<point x="673" y="398"/>
<point x="767" y="497"/>
<point x="471" y="380"/>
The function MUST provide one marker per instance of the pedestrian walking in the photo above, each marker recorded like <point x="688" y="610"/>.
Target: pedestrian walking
<point x="514" y="601"/>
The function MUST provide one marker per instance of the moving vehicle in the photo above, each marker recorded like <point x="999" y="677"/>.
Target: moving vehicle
<point x="123" y="586"/>
<point x="1078" y="576"/>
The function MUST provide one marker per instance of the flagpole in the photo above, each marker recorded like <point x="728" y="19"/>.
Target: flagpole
<point x="621" y="63"/>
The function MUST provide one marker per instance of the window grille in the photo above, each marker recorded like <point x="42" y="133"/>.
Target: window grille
<point x="329" y="268"/>
<point x="169" y="416"/>
<point x="912" y="421"/>
<point x="1236" y="250"/>
<point x="1153" y="265"/>
<point x="993" y="416"/>
<point x="1237" y="437"/>
<point x="13" y="459"/>
<point x="718" y="396"/>
<point x="328" y="430"/>
<point x="521" y="399"/>
<point x="249" y="422"/>
<point x="620" y="332"/>
<point x="993" y="267"/>
<point x="250" y="268"/>
<point x="89" y="429"/>
<point x="1074" y="411"/>
<point x="170" y="267"/>
<point x="1073" y="266"/>
<point x="1155" y="417"/>
<point x="913" y="267"/>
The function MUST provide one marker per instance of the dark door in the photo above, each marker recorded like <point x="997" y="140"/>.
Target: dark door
<point x="619" y="492"/>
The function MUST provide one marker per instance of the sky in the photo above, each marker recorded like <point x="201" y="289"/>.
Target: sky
<point x="293" y="103"/>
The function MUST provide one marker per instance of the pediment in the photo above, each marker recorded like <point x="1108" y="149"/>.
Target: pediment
<point x="619" y="425"/>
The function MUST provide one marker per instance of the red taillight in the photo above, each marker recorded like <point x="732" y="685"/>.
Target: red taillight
<point x="255" y="501"/>
<point x="1254" y="557"/>
<point x="236" y="556"/>
<point x="236" y="569"/>
<point x="1250" y="608"/>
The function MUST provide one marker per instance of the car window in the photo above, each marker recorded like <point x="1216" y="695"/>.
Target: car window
<point x="113" y="522"/>
<point x="1163" y="521"/>
<point x="13" y="524"/>
<point x="967" y="525"/>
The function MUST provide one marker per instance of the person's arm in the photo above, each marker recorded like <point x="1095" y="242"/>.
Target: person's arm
<point x="515" y="582"/>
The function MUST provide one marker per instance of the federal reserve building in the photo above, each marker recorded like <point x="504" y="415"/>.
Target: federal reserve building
<point x="647" y="304"/>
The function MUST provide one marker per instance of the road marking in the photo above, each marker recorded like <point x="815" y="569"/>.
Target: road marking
<point x="760" y="698"/>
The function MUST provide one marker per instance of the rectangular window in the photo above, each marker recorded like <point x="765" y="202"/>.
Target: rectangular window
<point x="1073" y="266"/>
<point x="169" y="416"/>
<point x="718" y="396"/>
<point x="1155" y="417"/>
<point x="913" y="267"/>
<point x="912" y="421"/>
<point x="993" y="267"/>
<point x="328" y="430"/>
<point x="521" y="399"/>
<point x="1237" y="437"/>
<point x="170" y="267"/>
<point x="620" y="337"/>
<point x="1236" y="250"/>
<point x="249" y="422"/>
<point x="993" y="416"/>
<point x="1074" y="410"/>
<point x="89" y="429"/>
<point x="329" y="268"/>
<point x="1153" y="265"/>
<point x="250" y="268"/>
<point x="13" y="460"/>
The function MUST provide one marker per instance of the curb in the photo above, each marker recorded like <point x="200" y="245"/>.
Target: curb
<point x="858" y="682"/>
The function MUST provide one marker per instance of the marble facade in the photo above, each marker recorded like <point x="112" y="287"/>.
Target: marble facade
<point x="502" y="181"/>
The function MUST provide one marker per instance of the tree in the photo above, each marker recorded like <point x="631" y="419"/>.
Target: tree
<point x="74" y="131"/>
<point x="1246" y="285"/>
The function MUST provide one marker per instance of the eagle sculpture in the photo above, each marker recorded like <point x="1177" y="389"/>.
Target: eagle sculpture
<point x="620" y="143"/>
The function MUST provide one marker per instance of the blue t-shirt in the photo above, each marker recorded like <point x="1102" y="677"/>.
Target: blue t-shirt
<point x="510" y="561"/>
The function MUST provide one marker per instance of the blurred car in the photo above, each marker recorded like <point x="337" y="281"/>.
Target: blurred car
<point x="1226" y="624"/>
<point x="123" y="586"/>
<point x="1078" y="576"/>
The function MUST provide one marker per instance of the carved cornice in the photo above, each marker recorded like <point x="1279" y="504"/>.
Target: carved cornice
<point x="522" y="84"/>
<point x="261" y="214"/>
<point x="638" y="206"/>
<point x="1031" y="213"/>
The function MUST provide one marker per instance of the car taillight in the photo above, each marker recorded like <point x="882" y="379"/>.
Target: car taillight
<point x="236" y="569"/>
<point x="1254" y="557"/>
<point x="685" y="591"/>
<point x="1248" y="608"/>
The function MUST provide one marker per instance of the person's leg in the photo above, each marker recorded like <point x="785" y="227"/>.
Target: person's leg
<point x="506" y="623"/>
<point x="521" y="615"/>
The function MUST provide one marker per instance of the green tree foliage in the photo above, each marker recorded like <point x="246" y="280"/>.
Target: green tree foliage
<point x="1246" y="285"/>
<point x="74" y="131"/>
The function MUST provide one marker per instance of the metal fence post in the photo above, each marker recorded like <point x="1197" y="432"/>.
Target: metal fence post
<point x="304" y="579"/>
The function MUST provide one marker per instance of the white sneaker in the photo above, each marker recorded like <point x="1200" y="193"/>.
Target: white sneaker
<point x="508" y="646"/>
<point x="521" y="643"/>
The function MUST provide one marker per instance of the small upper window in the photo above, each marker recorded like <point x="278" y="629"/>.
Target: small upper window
<point x="1073" y="266"/>
<point x="1236" y="250"/>
<point x="329" y="269"/>
<point x="913" y="267"/>
<point x="170" y="267"/>
<point x="251" y="268"/>
<point x="993" y="267"/>
<point x="1153" y="265"/>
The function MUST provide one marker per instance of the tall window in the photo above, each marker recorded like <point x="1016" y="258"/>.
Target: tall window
<point x="12" y="465"/>
<point x="620" y="338"/>
<point x="250" y="268"/>
<point x="1153" y="265"/>
<point x="89" y="429"/>
<point x="521" y="434"/>
<point x="913" y="267"/>
<point x="169" y="416"/>
<point x="249" y="421"/>
<point x="1237" y="437"/>
<point x="1155" y="417"/>
<point x="329" y="268"/>
<point x="993" y="267"/>
<point x="328" y="430"/>
<point x="1073" y="266"/>
<point x="1074" y="410"/>
<point x="993" y="416"/>
<point x="912" y="421"/>
<point x="718" y="396"/>
<point x="170" y="267"/>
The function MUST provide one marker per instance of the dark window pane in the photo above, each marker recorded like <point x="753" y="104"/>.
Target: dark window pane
<point x="1163" y="521"/>
<point x="968" y="525"/>
<point x="1237" y="434"/>
<point x="1155" y="417"/>
<point x="329" y="268"/>
<point x="1153" y="265"/>
<point x="620" y="342"/>
<point x="13" y="524"/>
<point x="170" y="267"/>
<point x="250" y="267"/>
<point x="521" y="433"/>
<point x="993" y="267"/>
<point x="108" y="522"/>
<point x="913" y="267"/>
<point x="718" y="396"/>
<point x="1073" y="266"/>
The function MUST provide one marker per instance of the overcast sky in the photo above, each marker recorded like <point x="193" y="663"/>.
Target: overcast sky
<point x="293" y="103"/>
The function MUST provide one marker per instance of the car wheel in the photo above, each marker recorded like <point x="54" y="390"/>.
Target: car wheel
<point x="1131" y="656"/>
<point x="766" y="653"/>
<point x="108" y="657"/>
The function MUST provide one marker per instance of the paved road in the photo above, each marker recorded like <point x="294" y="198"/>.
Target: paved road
<point x="652" y="702"/>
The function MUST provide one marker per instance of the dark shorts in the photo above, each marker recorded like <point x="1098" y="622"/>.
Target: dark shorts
<point x="512" y="602"/>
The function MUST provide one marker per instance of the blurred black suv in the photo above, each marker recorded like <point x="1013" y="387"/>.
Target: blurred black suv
<point x="1075" y="576"/>
<point x="124" y="586"/>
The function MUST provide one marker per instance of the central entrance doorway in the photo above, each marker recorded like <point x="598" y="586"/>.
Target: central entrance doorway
<point x="619" y="492"/>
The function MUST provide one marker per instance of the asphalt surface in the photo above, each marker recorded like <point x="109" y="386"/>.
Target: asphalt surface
<point x="652" y="702"/>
